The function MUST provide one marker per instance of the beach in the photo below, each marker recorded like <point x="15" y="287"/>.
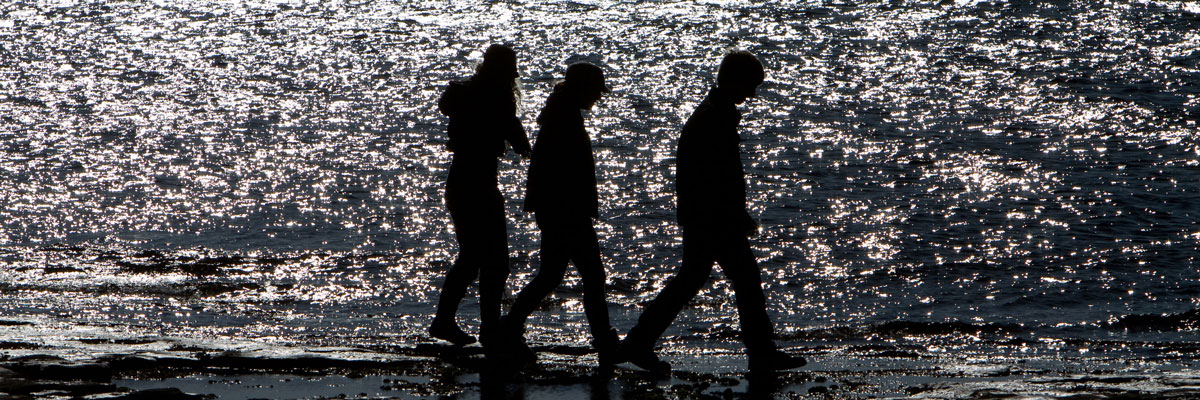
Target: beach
<point x="956" y="199"/>
<point x="177" y="368"/>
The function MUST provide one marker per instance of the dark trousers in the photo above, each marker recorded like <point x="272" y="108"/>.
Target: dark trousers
<point x="566" y="240"/>
<point x="701" y="248"/>
<point x="482" y="233"/>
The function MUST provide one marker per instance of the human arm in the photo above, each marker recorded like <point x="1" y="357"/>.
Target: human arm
<point x="516" y="137"/>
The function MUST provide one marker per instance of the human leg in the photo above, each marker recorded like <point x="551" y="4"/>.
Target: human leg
<point x="554" y="258"/>
<point x="738" y="263"/>
<point x="638" y="345"/>
<point x="493" y="273"/>
<point x="465" y="270"/>
<point x="444" y="326"/>
<point x="585" y="254"/>
<point x="758" y="332"/>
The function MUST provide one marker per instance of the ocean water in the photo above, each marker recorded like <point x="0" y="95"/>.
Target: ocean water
<point x="997" y="180"/>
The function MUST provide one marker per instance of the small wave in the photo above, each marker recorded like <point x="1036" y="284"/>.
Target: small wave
<point x="155" y="262"/>
<point x="172" y="289"/>
<point x="905" y="328"/>
<point x="899" y="328"/>
<point x="1184" y="321"/>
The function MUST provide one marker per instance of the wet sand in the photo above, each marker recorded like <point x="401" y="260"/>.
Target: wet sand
<point x="109" y="367"/>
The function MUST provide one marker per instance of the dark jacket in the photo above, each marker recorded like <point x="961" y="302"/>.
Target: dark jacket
<point x="482" y="118"/>
<point x="562" y="171"/>
<point x="710" y="183"/>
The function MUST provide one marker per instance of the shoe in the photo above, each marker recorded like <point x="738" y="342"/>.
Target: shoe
<point x="649" y="361"/>
<point x="606" y="347"/>
<point x="643" y="358"/>
<point x="511" y="343"/>
<point x="775" y="360"/>
<point x="450" y="332"/>
<point x="520" y="352"/>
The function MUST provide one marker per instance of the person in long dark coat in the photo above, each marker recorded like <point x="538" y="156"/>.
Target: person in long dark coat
<point x="483" y="117"/>
<point x="710" y="189"/>
<point x="561" y="192"/>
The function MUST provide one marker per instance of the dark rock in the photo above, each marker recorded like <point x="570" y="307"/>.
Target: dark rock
<point x="38" y="358"/>
<point x="239" y="361"/>
<point x="18" y="346"/>
<point x="131" y="362"/>
<point x="9" y="383"/>
<point x="163" y="394"/>
<point x="61" y="370"/>
<point x="136" y="362"/>
<point x="564" y="349"/>
<point x="56" y="270"/>
<point x="27" y="387"/>
<point x="726" y="381"/>
<point x="116" y="341"/>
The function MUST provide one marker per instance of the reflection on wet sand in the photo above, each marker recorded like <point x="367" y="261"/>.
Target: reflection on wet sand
<point x="974" y="191"/>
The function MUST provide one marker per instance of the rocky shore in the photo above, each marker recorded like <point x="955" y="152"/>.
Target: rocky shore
<point x="41" y="361"/>
<point x="422" y="371"/>
<point x="443" y="371"/>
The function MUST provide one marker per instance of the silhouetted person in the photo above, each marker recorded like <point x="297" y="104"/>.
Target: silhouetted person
<point x="561" y="192"/>
<point x="482" y="113"/>
<point x="711" y="199"/>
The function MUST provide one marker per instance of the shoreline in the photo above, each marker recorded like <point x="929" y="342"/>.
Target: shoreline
<point x="178" y="370"/>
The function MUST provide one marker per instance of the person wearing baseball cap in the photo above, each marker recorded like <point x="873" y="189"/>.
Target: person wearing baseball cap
<point x="561" y="192"/>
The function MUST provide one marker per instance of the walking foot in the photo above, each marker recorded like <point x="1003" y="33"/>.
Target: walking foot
<point x="520" y="352"/>
<point x="450" y="332"/>
<point x="644" y="359"/>
<point x="606" y="344"/>
<point x="649" y="361"/>
<point x="504" y="342"/>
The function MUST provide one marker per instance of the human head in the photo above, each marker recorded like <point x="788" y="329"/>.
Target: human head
<point x="740" y="73"/>
<point x="499" y="62"/>
<point x="587" y="80"/>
